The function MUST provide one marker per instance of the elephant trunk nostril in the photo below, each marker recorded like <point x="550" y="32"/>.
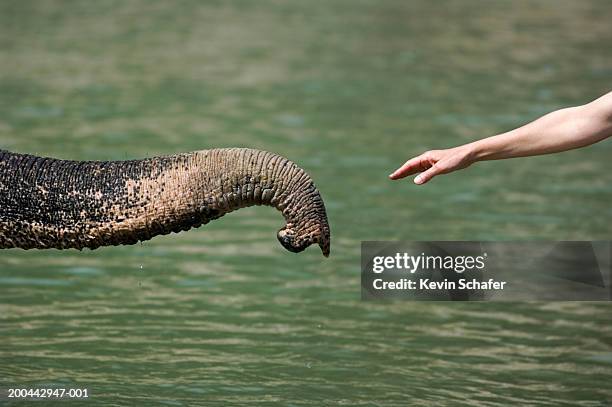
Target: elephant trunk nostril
<point x="297" y="241"/>
<point x="286" y="239"/>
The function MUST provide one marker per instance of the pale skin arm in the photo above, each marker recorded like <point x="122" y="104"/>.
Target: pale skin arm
<point x="561" y="130"/>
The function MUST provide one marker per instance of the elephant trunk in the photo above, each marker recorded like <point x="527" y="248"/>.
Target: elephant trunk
<point x="49" y="203"/>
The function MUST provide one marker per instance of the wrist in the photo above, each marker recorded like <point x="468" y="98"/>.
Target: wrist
<point x="490" y="148"/>
<point x="473" y="152"/>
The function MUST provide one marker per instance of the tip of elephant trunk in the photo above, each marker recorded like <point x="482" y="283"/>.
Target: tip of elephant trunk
<point x="323" y="238"/>
<point x="296" y="242"/>
<point x="324" y="248"/>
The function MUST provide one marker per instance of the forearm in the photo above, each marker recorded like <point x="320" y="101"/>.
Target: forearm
<point x="558" y="131"/>
<point x="561" y="130"/>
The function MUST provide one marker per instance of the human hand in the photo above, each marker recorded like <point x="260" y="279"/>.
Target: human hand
<point x="435" y="162"/>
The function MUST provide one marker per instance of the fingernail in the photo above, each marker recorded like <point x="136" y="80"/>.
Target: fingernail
<point x="418" y="179"/>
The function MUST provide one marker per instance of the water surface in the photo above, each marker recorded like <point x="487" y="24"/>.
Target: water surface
<point x="348" y="90"/>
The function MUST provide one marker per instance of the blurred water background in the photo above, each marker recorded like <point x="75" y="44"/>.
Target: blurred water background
<point x="348" y="90"/>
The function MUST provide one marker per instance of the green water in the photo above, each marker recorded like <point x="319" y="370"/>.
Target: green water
<point x="349" y="90"/>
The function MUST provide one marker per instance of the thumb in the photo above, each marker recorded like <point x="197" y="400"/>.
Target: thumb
<point x="425" y="176"/>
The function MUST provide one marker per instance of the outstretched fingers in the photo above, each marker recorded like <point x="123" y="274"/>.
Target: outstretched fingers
<point x="435" y="162"/>
<point x="412" y="166"/>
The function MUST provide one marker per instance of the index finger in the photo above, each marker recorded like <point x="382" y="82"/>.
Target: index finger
<point x="412" y="166"/>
